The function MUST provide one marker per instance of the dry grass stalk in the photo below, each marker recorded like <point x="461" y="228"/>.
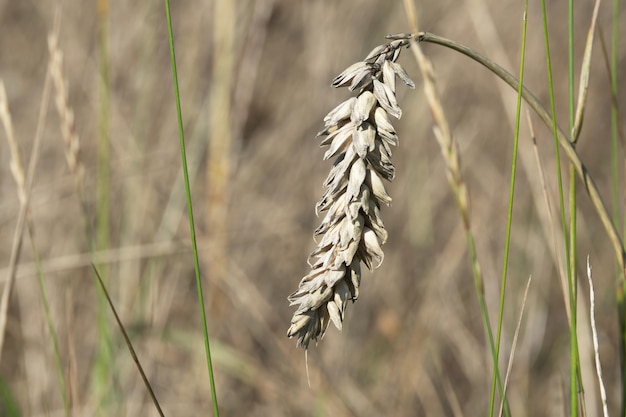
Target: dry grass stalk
<point x="18" y="174"/>
<point x="514" y="345"/>
<point x="66" y="114"/>
<point x="449" y="147"/>
<point x="359" y="134"/>
<point x="16" y="164"/>
<point x="554" y="228"/>
<point x="596" y="346"/>
<point x="584" y="75"/>
<point x="24" y="187"/>
<point x="218" y="169"/>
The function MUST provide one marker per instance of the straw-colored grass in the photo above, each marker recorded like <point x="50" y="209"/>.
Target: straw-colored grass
<point x="415" y="342"/>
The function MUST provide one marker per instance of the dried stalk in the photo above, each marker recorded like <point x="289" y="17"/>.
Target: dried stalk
<point x="66" y="114"/>
<point x="25" y="186"/>
<point x="594" y="337"/>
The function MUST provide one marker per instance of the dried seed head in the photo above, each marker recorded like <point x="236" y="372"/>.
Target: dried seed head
<point x="359" y="135"/>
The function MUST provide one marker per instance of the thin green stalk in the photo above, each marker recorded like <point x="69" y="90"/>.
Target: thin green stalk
<point x="24" y="185"/>
<point x="192" y="227"/>
<point x="104" y="364"/>
<point x="72" y="146"/>
<point x="53" y="335"/>
<point x="450" y="152"/>
<point x="104" y="145"/>
<point x="554" y="127"/>
<point x="576" y="385"/>
<point x="42" y="289"/>
<point x="570" y="62"/>
<point x="510" y="209"/>
<point x="565" y="143"/>
<point x="484" y="313"/>
<point x="621" y="311"/>
<point x="568" y="239"/>
<point x="575" y="381"/>
<point x="615" y="186"/>
<point x="9" y="404"/>
<point x="621" y="286"/>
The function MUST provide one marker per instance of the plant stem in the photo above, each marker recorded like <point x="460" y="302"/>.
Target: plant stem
<point x="507" y="240"/>
<point x="621" y="286"/>
<point x="535" y="104"/>
<point x="192" y="227"/>
<point x="576" y="384"/>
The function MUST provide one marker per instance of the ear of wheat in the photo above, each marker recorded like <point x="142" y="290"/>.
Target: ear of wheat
<point x="359" y="135"/>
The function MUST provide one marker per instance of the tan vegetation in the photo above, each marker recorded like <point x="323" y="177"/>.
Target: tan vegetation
<point x="414" y="343"/>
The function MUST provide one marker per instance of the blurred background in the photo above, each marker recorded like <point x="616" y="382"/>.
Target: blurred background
<point x="255" y="84"/>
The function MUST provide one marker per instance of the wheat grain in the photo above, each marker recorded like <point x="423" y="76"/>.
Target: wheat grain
<point x="359" y="135"/>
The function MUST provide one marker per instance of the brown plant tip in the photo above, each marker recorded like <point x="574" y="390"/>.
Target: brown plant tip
<point x="359" y="135"/>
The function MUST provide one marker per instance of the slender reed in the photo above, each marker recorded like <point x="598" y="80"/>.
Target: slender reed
<point x="192" y="228"/>
<point x="569" y="238"/>
<point x="507" y="241"/>
<point x="104" y="139"/>
<point x="16" y="161"/>
<point x="101" y="374"/>
<point x="576" y="382"/>
<point x="557" y="152"/>
<point x="104" y="365"/>
<point x="16" y="248"/>
<point x="449" y="149"/>
<point x="18" y="175"/>
<point x="21" y="220"/>
<point x="588" y="182"/>
<point x="615" y="135"/>
<point x="576" y="120"/>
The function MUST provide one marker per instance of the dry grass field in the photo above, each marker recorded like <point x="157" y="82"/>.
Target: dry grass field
<point x="255" y="86"/>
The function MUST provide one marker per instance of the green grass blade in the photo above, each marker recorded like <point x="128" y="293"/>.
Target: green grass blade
<point x="104" y="363"/>
<point x="563" y="140"/>
<point x="570" y="61"/>
<point x="621" y="286"/>
<point x="104" y="142"/>
<point x="575" y="382"/>
<point x="192" y="227"/>
<point x="8" y="403"/>
<point x="575" y="375"/>
<point x="450" y="151"/>
<point x="567" y="239"/>
<point x="555" y="134"/>
<point x="47" y="315"/>
<point x="510" y="208"/>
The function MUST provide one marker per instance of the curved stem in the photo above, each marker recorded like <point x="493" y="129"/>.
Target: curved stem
<point x="535" y="104"/>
